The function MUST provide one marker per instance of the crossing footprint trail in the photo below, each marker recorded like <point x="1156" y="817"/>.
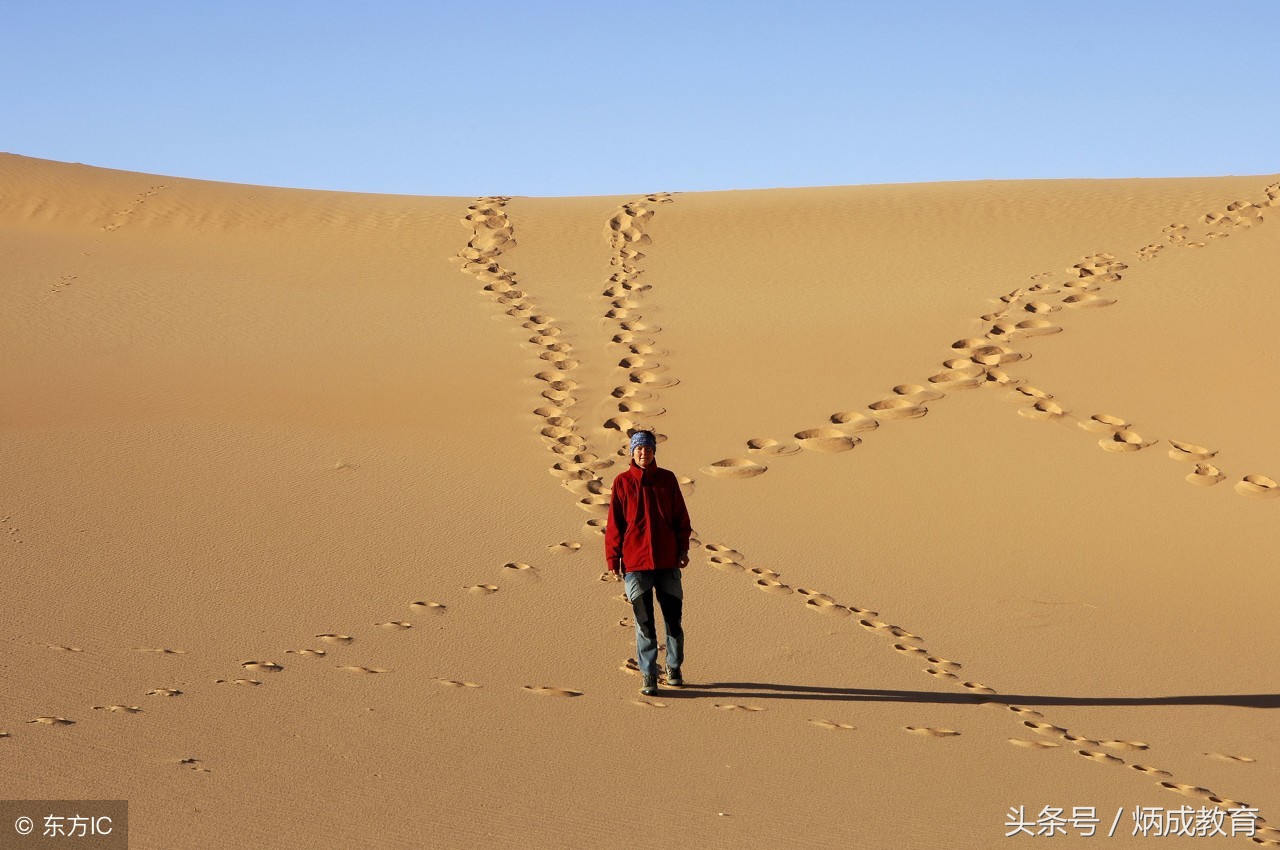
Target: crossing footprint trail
<point x="983" y="363"/>
<point x="1041" y="308"/>
<point x="975" y="363"/>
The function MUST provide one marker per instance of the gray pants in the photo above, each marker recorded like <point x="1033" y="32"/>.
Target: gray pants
<point x="641" y="587"/>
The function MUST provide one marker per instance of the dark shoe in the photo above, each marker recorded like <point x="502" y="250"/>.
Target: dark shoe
<point x="674" y="679"/>
<point x="650" y="688"/>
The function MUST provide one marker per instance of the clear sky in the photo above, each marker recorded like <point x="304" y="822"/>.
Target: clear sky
<point x="583" y="98"/>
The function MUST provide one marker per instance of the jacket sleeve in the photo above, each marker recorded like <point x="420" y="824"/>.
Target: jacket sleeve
<point x="680" y="518"/>
<point x="616" y="528"/>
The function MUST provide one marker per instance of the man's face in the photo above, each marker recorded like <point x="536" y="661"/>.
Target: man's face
<point x="642" y="455"/>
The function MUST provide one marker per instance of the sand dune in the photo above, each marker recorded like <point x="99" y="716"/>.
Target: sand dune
<point x="305" y="495"/>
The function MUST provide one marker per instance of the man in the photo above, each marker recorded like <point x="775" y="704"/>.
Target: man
<point x="647" y="541"/>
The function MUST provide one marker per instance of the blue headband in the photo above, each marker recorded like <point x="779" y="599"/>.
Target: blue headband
<point x="643" y="438"/>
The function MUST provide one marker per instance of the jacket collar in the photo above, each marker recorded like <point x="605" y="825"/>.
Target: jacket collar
<point x="640" y="471"/>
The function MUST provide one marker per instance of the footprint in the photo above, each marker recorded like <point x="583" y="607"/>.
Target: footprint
<point x="897" y="408"/>
<point x="1126" y="745"/>
<point x="1258" y="487"/>
<point x="250" y="682"/>
<point x="335" y="638"/>
<point x="827" y="440"/>
<point x="996" y="355"/>
<point x="53" y="721"/>
<point x="162" y="651"/>
<point x="999" y="378"/>
<point x="564" y="547"/>
<point x="1123" y="440"/>
<point x="729" y="706"/>
<point x="119" y="709"/>
<point x="852" y="421"/>
<point x="1087" y="300"/>
<point x="1104" y="423"/>
<point x="353" y="668"/>
<point x="481" y="589"/>
<point x="932" y="732"/>
<point x="454" y="683"/>
<point x="1189" y="790"/>
<point x="917" y="393"/>
<point x="771" y="586"/>
<point x="1205" y="475"/>
<point x="888" y="629"/>
<point x="519" y="568"/>
<point x="768" y="446"/>
<point x="1043" y="411"/>
<point x="551" y="692"/>
<point x="164" y="692"/>
<point x="1226" y="757"/>
<point x="195" y="764"/>
<point x="941" y="674"/>
<point x="1266" y="835"/>
<point x="1025" y="712"/>
<point x="831" y="725"/>
<point x="262" y="666"/>
<point x="430" y="607"/>
<point x="317" y="653"/>
<point x="1189" y="451"/>
<point x="958" y="379"/>
<point x="725" y="564"/>
<point x="1150" y="771"/>
<point x="1102" y="758"/>
<point x="394" y="625"/>
<point x="1044" y="728"/>
<point x="977" y="688"/>
<point x="62" y="648"/>
<point x="1036" y="327"/>
<point x="828" y="607"/>
<point x="1040" y="307"/>
<point x="1032" y="745"/>
<point x="648" y="703"/>
<point x="734" y="468"/>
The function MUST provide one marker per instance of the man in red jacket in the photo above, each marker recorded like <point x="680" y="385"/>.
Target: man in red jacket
<point x="647" y="541"/>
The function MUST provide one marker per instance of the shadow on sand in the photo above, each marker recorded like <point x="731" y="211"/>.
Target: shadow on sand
<point x="760" y="690"/>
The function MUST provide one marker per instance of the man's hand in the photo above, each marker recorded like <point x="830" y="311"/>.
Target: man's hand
<point x="684" y="560"/>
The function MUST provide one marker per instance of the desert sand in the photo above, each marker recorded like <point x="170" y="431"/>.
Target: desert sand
<point x="303" y="500"/>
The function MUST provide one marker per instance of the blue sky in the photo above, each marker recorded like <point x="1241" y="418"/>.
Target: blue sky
<point x="586" y="98"/>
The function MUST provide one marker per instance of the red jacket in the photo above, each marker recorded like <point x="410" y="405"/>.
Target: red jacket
<point x="648" y="523"/>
